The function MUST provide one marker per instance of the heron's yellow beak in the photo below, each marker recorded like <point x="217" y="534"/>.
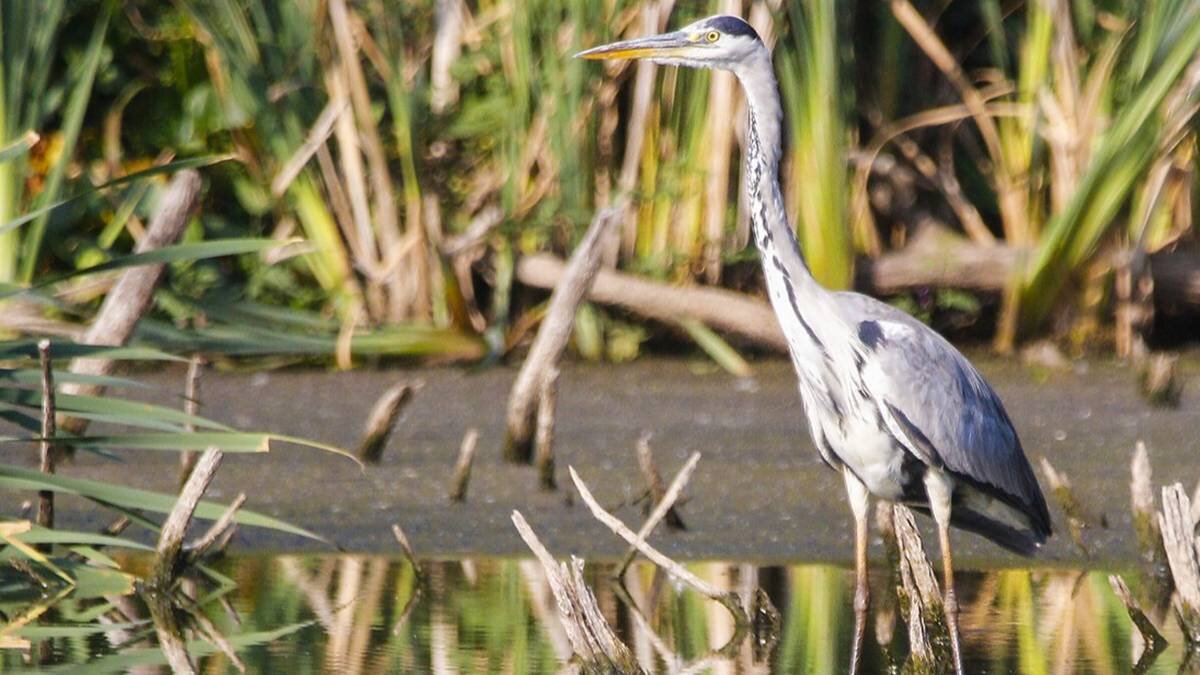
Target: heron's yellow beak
<point x="665" y="45"/>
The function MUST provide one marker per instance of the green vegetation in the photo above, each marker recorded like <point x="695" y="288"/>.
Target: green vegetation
<point x="372" y="135"/>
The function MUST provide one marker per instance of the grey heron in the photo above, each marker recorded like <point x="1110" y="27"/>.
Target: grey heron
<point x="890" y="404"/>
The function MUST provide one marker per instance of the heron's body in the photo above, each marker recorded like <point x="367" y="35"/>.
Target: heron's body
<point x="889" y="403"/>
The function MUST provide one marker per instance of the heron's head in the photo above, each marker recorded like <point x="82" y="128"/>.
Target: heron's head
<point x="722" y="42"/>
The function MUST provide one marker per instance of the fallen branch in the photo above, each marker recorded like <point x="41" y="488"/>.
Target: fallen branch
<point x="462" y="468"/>
<point x="552" y="336"/>
<point x="592" y="639"/>
<point x="170" y="539"/>
<point x="133" y="291"/>
<point x="382" y="421"/>
<point x="935" y="258"/>
<point x="1153" y="641"/>
<point x="663" y="505"/>
<point x="730" y="600"/>
<point x="45" y="512"/>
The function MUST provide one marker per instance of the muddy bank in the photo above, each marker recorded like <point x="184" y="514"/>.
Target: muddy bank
<point x="760" y="492"/>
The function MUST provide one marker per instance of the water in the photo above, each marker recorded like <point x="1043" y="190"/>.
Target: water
<point x="357" y="614"/>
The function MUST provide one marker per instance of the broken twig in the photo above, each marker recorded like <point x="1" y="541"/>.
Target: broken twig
<point x="170" y="540"/>
<point x="729" y="600"/>
<point x="654" y="482"/>
<point x="547" y="413"/>
<point x="1060" y="488"/>
<point x="592" y="639"/>
<point x="662" y="507"/>
<point x="1153" y="640"/>
<point x="382" y="421"/>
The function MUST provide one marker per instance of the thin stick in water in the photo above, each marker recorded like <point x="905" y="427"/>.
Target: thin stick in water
<point x="729" y="600"/>
<point x="170" y="539"/>
<point x="407" y="548"/>
<point x="462" y="468"/>
<point x="200" y="548"/>
<point x="654" y="481"/>
<point x="382" y="420"/>
<point x="544" y="438"/>
<point x="662" y="507"/>
<point x="45" y="512"/>
<point x="191" y="406"/>
<point x="1153" y="640"/>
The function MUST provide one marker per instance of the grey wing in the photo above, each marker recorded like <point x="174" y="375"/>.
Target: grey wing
<point x="945" y="411"/>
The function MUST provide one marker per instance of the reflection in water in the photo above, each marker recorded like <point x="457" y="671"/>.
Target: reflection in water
<point x="354" y="614"/>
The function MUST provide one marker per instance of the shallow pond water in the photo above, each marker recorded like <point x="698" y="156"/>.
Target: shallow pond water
<point x="358" y="614"/>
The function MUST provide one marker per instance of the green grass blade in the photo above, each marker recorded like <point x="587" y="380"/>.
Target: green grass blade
<point x="19" y="478"/>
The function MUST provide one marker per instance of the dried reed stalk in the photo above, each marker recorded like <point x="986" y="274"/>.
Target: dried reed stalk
<point x="169" y="560"/>
<point x="552" y="336"/>
<point x="462" y="468"/>
<point x="547" y="412"/>
<point x="214" y="540"/>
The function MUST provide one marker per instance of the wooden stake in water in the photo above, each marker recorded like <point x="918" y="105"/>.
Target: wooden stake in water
<point x="45" y="513"/>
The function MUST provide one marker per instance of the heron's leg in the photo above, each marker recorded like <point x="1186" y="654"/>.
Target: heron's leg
<point x="859" y="504"/>
<point x="940" y="489"/>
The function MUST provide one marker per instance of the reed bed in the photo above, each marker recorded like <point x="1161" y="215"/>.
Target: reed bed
<point x="374" y="136"/>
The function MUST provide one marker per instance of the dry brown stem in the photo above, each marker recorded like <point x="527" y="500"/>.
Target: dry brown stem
<point x="552" y="337"/>
<point x="462" y="468"/>
<point x="407" y="548"/>
<point x="729" y="600"/>
<point x="383" y="418"/>
<point x="592" y="639"/>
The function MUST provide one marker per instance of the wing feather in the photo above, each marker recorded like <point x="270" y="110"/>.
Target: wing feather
<point x="941" y="408"/>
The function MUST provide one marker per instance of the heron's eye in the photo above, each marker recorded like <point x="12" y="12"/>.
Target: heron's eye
<point x="712" y="36"/>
